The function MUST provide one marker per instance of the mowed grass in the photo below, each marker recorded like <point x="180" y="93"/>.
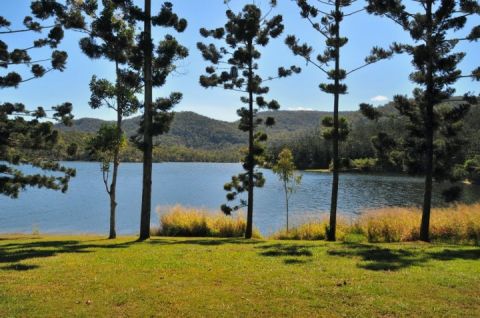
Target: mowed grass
<point x="87" y="276"/>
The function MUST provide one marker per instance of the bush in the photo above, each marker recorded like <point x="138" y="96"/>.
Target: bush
<point x="190" y="222"/>
<point x="364" y="164"/>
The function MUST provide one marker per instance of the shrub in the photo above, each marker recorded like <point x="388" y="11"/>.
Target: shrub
<point x="364" y="164"/>
<point x="191" y="222"/>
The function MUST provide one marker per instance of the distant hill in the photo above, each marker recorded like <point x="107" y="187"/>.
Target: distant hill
<point x="196" y="131"/>
<point x="194" y="137"/>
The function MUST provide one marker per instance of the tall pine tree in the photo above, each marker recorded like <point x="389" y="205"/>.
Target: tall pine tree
<point x="157" y="62"/>
<point x="23" y="136"/>
<point x="327" y="19"/>
<point x="235" y="67"/>
<point x="433" y="140"/>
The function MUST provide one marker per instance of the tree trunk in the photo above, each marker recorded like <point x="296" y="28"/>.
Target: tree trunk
<point x="147" y="136"/>
<point x="427" y="198"/>
<point x="113" y="206"/>
<point x="116" y="161"/>
<point x="331" y="235"/>
<point x="286" y="201"/>
<point x="249" y="229"/>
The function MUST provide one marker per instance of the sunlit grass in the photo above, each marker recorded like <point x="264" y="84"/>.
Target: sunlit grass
<point x="87" y="276"/>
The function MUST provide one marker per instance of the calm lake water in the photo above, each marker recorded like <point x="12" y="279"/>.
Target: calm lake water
<point x="85" y="208"/>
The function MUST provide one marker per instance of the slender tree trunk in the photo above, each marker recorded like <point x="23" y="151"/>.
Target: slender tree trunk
<point x="147" y="136"/>
<point x="427" y="198"/>
<point x="286" y="201"/>
<point x="336" y="161"/>
<point x="249" y="229"/>
<point x="113" y="206"/>
<point x="116" y="161"/>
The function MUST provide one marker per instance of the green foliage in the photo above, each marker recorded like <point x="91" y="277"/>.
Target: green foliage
<point x="285" y="168"/>
<point x="328" y="128"/>
<point x="105" y="143"/>
<point x="24" y="137"/>
<point x="471" y="169"/>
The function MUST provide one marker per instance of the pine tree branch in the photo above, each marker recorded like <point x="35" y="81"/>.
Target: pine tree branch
<point x="362" y="66"/>
<point x="309" y="60"/>
<point x="34" y="77"/>
<point x="316" y="27"/>
<point x="27" y="30"/>
<point x="26" y="63"/>
<point x="354" y="12"/>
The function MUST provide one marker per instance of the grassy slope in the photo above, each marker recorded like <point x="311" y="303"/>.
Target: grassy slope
<point x="88" y="276"/>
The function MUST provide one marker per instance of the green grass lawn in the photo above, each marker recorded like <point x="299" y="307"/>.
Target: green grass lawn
<point x="87" y="276"/>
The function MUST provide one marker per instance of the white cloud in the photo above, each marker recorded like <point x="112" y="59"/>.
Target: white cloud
<point x="300" y="109"/>
<point x="380" y="99"/>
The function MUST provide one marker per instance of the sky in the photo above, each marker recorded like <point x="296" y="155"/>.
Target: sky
<point x="376" y="84"/>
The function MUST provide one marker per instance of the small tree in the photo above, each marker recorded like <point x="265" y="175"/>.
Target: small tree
<point x="285" y="169"/>
<point x="433" y="139"/>
<point x="236" y="68"/>
<point x="113" y="38"/>
<point x="21" y="139"/>
<point x="105" y="147"/>
<point x="327" y="18"/>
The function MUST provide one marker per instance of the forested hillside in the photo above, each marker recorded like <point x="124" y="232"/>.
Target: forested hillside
<point x="194" y="137"/>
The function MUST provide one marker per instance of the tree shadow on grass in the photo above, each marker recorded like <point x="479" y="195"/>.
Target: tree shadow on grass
<point x="19" y="267"/>
<point x="14" y="253"/>
<point x="294" y="261"/>
<point x="379" y="258"/>
<point x="295" y="253"/>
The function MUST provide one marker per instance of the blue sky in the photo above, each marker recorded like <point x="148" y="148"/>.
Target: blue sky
<point x="376" y="84"/>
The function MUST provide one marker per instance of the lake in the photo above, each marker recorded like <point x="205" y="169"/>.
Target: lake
<point x="85" y="207"/>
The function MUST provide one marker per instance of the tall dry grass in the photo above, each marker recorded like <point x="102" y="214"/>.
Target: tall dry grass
<point x="458" y="223"/>
<point x="192" y="222"/>
<point x="455" y="224"/>
<point x="314" y="230"/>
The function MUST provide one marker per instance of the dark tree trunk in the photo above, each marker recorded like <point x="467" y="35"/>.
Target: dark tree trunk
<point x="249" y="229"/>
<point x="113" y="206"/>
<point x="331" y="235"/>
<point x="427" y="198"/>
<point x="116" y="163"/>
<point x="147" y="136"/>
